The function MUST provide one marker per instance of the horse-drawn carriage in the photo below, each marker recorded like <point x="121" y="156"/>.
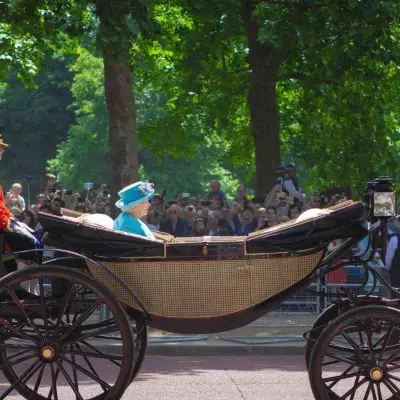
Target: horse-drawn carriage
<point x="76" y="313"/>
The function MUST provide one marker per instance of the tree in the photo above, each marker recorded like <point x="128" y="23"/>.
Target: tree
<point x="76" y="162"/>
<point x="115" y="23"/>
<point x="35" y="121"/>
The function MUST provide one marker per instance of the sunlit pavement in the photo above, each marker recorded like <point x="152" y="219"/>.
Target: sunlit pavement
<point x="221" y="378"/>
<point x="270" y="377"/>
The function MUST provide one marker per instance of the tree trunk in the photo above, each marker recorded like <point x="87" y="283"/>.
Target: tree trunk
<point x="264" y="62"/>
<point x="124" y="155"/>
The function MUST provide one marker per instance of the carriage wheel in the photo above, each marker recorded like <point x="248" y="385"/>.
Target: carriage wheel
<point x="358" y="356"/>
<point x="52" y="336"/>
<point x="139" y="328"/>
<point x="327" y="316"/>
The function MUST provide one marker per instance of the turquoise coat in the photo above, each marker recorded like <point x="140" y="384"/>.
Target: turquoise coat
<point x="126" y="223"/>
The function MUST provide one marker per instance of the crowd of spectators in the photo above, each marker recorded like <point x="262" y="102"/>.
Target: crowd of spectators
<point x="211" y="215"/>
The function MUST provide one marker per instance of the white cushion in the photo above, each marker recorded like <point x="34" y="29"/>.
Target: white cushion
<point x="311" y="214"/>
<point x="100" y="220"/>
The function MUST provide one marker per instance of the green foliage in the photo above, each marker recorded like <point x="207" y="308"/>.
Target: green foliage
<point x="34" y="121"/>
<point x="196" y="73"/>
<point x="83" y="156"/>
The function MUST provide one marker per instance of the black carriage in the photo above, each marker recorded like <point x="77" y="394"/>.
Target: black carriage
<point x="78" y="311"/>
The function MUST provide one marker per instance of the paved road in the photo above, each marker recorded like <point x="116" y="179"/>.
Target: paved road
<point x="216" y="378"/>
<point x="221" y="378"/>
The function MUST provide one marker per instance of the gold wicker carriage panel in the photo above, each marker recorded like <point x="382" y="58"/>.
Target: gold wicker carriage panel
<point x="205" y="288"/>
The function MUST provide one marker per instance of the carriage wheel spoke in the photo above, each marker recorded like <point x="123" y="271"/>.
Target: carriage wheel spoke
<point x="388" y="383"/>
<point x="88" y="373"/>
<point x="337" y="378"/>
<point x="65" y="302"/>
<point x="342" y="359"/>
<point x="353" y="389"/>
<point x="101" y="355"/>
<point x="354" y="345"/>
<point x="54" y="376"/>
<point x="39" y="378"/>
<point x="43" y="303"/>
<point x="98" y="333"/>
<point x="26" y="375"/>
<point x="21" y="306"/>
<point x="16" y="346"/>
<point x="374" y="393"/>
<point x="379" y="391"/>
<point x="83" y="317"/>
<point x="369" y="337"/>
<point x="18" y="354"/>
<point x="16" y="331"/>
<point x="386" y="338"/>
<point x="368" y="391"/>
<point x="10" y="364"/>
<point x="71" y="384"/>
<point x="91" y="367"/>
<point x="355" y="384"/>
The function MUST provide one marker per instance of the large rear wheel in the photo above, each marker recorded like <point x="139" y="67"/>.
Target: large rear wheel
<point x="54" y="340"/>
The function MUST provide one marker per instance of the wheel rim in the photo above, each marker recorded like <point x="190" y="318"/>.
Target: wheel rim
<point x="53" y="343"/>
<point x="358" y="356"/>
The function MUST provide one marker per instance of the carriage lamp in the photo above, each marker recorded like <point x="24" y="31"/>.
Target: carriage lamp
<point x="380" y="198"/>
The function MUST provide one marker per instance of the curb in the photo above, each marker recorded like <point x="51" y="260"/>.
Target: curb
<point x="210" y="350"/>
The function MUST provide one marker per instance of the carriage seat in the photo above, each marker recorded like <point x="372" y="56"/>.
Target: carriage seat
<point x="93" y="235"/>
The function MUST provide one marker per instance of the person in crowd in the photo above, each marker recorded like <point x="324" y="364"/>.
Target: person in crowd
<point x="224" y="227"/>
<point x="272" y="216"/>
<point x="189" y="215"/>
<point x="157" y="203"/>
<point x="290" y="184"/>
<point x="213" y="224"/>
<point x="244" y="223"/>
<point x="217" y="202"/>
<point x="57" y="204"/>
<point x="28" y="218"/>
<point x="199" y="227"/>
<point x="174" y="224"/>
<point x="215" y="188"/>
<point x="50" y="182"/>
<point x="240" y="197"/>
<point x="40" y="200"/>
<point x="14" y="201"/>
<point x="154" y="220"/>
<point x="294" y="211"/>
<point x="281" y="175"/>
<point x="182" y="199"/>
<point x="261" y="218"/>
<point x="100" y="205"/>
<point x="192" y="201"/>
<point x="134" y="204"/>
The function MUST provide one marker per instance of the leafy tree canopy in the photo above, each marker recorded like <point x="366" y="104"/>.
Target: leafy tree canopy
<point x="82" y="157"/>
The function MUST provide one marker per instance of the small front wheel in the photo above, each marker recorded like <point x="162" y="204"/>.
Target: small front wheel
<point x="357" y="356"/>
<point x="63" y="336"/>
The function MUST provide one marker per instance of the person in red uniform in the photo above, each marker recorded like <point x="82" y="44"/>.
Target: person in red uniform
<point x="4" y="212"/>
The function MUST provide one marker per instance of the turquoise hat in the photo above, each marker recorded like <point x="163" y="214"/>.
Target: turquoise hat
<point x="135" y="194"/>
